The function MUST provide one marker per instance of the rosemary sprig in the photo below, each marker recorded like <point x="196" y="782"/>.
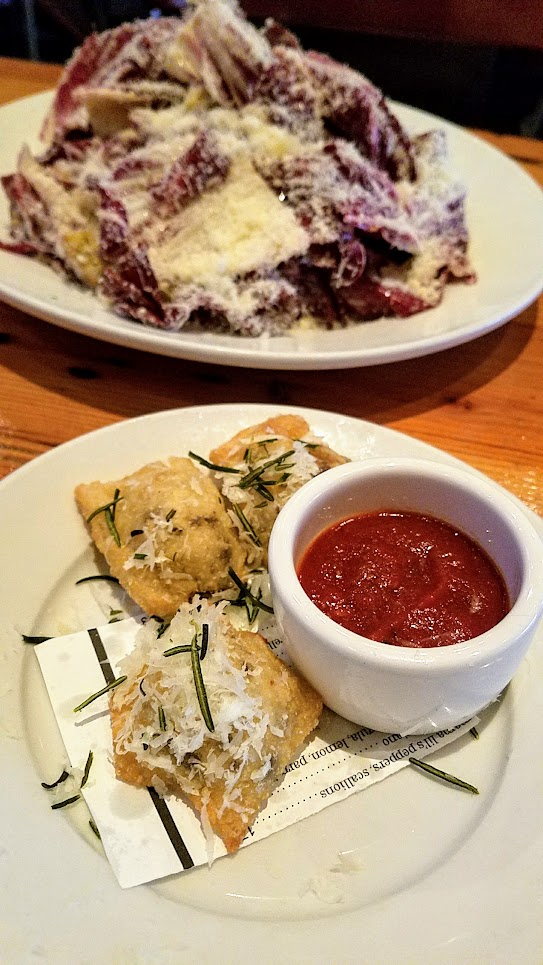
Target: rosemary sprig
<point x="63" y="804"/>
<point x="199" y="683"/>
<point x="60" y="780"/>
<point x="86" y="772"/>
<point x="212" y="465"/>
<point x="245" y="591"/>
<point x="97" y="576"/>
<point x="443" y="775"/>
<point x="100" y="693"/>
<point x="246" y="524"/>
<point x="28" y="639"/>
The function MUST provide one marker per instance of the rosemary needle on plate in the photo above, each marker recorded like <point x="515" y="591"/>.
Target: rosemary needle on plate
<point x="443" y="775"/>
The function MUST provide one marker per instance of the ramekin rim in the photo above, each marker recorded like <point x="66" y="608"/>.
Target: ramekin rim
<point x="489" y="646"/>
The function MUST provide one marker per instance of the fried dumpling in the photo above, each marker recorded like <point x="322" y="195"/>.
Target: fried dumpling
<point x="222" y="745"/>
<point x="271" y="461"/>
<point x="164" y="532"/>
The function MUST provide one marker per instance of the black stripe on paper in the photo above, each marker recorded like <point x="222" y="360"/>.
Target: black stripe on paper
<point x="161" y="807"/>
<point x="103" y="658"/>
<point x="171" y="829"/>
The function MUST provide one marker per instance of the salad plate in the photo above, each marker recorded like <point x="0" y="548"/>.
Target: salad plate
<point x="505" y="221"/>
<point x="410" y="871"/>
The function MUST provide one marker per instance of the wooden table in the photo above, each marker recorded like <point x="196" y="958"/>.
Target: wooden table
<point x="482" y="402"/>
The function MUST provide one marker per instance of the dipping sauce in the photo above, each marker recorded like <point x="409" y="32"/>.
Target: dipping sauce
<point x="404" y="579"/>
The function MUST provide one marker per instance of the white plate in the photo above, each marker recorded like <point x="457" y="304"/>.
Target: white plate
<point x="446" y="877"/>
<point x="505" y="218"/>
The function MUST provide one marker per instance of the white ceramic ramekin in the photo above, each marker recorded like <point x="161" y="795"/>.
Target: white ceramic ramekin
<point x="392" y="688"/>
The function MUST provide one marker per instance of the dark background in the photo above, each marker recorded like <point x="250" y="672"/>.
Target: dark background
<point x="476" y="84"/>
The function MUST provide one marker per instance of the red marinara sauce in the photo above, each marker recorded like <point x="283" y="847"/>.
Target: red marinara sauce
<point x="403" y="578"/>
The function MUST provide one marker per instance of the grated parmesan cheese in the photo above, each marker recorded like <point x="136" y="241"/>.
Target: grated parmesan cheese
<point x="240" y="724"/>
<point x="236" y="228"/>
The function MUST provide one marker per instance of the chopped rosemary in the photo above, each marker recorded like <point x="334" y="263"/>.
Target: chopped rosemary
<point x="140" y="556"/>
<point x="111" y="526"/>
<point x="136" y="532"/>
<point x="86" y="772"/>
<point x="94" y="829"/>
<point x="161" y="718"/>
<point x="142" y="692"/>
<point x="60" y="780"/>
<point x="97" y="576"/>
<point x="250" y="477"/>
<point x="246" y="524"/>
<point x="27" y="639"/>
<point x="113" y="508"/>
<point x="108" y="509"/>
<point x="309" y="445"/>
<point x="261" y="490"/>
<point x="99" y="693"/>
<point x="199" y="684"/>
<point x="63" y="804"/>
<point x="474" y="733"/>
<point x="245" y="592"/>
<point x="107" y="506"/>
<point x="162" y="629"/>
<point x="170" y="515"/>
<point x="185" y="648"/>
<point x="443" y="775"/>
<point x="205" y="640"/>
<point x="212" y="465"/>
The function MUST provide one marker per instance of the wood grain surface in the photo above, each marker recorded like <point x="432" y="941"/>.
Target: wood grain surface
<point x="481" y="402"/>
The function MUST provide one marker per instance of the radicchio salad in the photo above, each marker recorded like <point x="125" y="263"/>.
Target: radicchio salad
<point x="201" y="173"/>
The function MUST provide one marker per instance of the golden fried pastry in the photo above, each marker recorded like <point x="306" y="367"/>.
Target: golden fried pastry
<point x="221" y="744"/>
<point x="272" y="460"/>
<point x="164" y="532"/>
